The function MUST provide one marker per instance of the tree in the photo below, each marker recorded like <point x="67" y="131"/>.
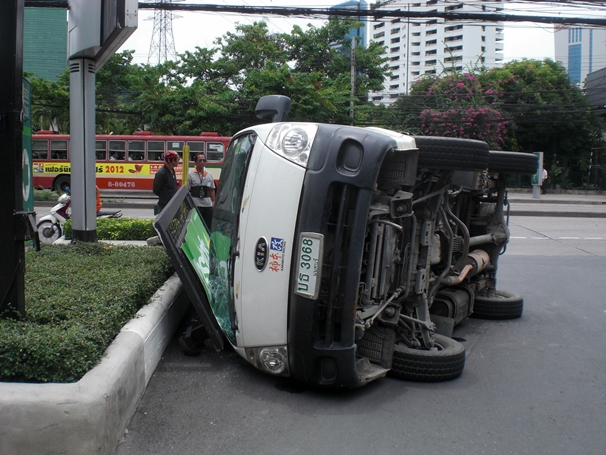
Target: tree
<point x="526" y="105"/>
<point x="216" y="89"/>
<point x="115" y="96"/>
<point x="50" y="103"/>
<point x="455" y="104"/>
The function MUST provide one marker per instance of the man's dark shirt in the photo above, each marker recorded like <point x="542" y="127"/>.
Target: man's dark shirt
<point x="165" y="185"/>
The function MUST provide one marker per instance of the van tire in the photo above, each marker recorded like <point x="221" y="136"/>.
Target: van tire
<point x="513" y="162"/>
<point x="500" y="306"/>
<point x="452" y="153"/>
<point x="443" y="364"/>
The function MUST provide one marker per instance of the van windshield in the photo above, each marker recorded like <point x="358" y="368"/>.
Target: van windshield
<point x="224" y="231"/>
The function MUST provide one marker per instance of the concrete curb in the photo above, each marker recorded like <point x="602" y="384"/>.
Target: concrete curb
<point x="91" y="415"/>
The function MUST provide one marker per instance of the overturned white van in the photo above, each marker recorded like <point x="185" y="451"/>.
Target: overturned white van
<point x="338" y="254"/>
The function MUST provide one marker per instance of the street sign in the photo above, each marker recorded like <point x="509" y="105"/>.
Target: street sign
<point x="97" y="28"/>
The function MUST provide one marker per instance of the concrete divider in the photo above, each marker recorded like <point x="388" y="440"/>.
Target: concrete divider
<point x="91" y="415"/>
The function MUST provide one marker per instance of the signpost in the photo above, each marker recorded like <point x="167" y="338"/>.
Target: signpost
<point x="97" y="28"/>
<point x="12" y="295"/>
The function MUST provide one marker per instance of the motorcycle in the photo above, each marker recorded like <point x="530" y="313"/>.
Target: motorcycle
<point x="50" y="227"/>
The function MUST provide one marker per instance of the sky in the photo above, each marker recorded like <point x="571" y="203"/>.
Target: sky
<point x="191" y="29"/>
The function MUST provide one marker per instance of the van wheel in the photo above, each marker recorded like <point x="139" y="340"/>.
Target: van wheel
<point x="513" y="162"/>
<point x="452" y="153"/>
<point x="502" y="305"/>
<point x="442" y="363"/>
<point x="61" y="184"/>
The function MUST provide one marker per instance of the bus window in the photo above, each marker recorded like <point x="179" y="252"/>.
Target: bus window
<point x="117" y="150"/>
<point x="58" y="150"/>
<point x="215" y="151"/>
<point x="39" y="150"/>
<point x="195" y="147"/>
<point x="155" y="150"/>
<point x="101" y="150"/>
<point x="136" y="150"/>
<point x="176" y="146"/>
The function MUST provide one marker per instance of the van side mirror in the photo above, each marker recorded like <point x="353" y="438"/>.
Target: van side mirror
<point x="273" y="107"/>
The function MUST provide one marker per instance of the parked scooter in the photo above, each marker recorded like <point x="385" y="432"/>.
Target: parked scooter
<point x="50" y="227"/>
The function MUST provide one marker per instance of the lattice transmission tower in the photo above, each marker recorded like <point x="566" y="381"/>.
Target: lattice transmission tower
<point x="162" y="46"/>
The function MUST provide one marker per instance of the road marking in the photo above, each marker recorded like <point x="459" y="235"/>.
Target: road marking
<point x="555" y="238"/>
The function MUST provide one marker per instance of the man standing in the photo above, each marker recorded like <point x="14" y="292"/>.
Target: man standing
<point x="165" y="181"/>
<point x="202" y="188"/>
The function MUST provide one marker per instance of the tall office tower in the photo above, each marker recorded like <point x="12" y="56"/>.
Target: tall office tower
<point x="361" y="32"/>
<point x="45" y="42"/>
<point x="580" y="50"/>
<point x="418" y="46"/>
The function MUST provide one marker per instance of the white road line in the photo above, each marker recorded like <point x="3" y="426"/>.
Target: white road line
<point x="556" y="238"/>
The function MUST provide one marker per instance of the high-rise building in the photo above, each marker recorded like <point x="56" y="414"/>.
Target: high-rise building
<point x="45" y="42"/>
<point x="418" y="46"/>
<point x="361" y="32"/>
<point x="580" y="50"/>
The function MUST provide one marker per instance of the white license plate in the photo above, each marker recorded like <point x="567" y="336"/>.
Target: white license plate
<point x="309" y="267"/>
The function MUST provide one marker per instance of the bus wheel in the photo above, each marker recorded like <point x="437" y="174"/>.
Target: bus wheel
<point x="61" y="184"/>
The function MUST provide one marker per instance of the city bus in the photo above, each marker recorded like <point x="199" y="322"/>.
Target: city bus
<point x="123" y="162"/>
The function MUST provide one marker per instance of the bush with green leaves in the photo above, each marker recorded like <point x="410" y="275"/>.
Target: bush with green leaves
<point x="45" y="195"/>
<point x="118" y="229"/>
<point x="77" y="298"/>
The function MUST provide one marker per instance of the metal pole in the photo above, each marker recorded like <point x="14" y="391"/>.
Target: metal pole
<point x="12" y="265"/>
<point x="82" y="149"/>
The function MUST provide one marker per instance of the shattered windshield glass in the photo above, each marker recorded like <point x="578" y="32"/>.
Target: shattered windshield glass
<point x="224" y="232"/>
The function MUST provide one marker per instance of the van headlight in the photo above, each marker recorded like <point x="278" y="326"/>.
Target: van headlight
<point x="293" y="141"/>
<point x="271" y="359"/>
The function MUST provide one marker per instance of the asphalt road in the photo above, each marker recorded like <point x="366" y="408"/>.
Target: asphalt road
<point x="535" y="385"/>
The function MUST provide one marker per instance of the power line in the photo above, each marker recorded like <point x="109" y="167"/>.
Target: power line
<point x="377" y="14"/>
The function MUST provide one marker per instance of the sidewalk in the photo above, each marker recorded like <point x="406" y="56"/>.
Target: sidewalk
<point x="572" y="205"/>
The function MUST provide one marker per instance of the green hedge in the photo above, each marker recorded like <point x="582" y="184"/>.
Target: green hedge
<point x="78" y="297"/>
<point x="118" y="229"/>
<point x="45" y="195"/>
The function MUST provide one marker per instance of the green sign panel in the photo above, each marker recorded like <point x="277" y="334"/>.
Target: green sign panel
<point x="26" y="159"/>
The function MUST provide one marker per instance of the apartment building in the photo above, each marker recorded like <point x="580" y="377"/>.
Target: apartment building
<point x="418" y="46"/>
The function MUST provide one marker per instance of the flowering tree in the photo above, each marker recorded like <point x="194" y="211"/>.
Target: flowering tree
<point x="461" y="105"/>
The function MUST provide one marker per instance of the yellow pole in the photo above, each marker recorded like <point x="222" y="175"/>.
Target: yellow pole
<point x="185" y="165"/>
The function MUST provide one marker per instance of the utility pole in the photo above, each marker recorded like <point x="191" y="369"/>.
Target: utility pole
<point x="12" y="242"/>
<point x="353" y="80"/>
